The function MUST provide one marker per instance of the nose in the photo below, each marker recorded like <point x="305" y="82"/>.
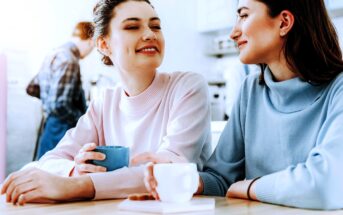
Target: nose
<point x="149" y="35"/>
<point x="235" y="33"/>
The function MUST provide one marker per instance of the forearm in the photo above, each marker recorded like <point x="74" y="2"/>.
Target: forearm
<point x="119" y="183"/>
<point x="82" y="187"/>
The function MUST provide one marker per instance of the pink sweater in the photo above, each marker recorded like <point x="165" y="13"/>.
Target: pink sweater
<point x="171" y="117"/>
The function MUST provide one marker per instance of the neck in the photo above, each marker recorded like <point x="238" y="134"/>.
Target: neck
<point x="80" y="45"/>
<point x="135" y="83"/>
<point x="281" y="70"/>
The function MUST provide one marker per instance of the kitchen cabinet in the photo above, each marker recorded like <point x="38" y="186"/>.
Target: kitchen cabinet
<point x="216" y="15"/>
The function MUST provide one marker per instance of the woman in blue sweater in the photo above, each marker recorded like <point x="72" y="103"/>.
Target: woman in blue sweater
<point x="283" y="143"/>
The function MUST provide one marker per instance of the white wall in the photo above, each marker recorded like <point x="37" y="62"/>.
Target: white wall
<point x="185" y="47"/>
<point x="3" y="103"/>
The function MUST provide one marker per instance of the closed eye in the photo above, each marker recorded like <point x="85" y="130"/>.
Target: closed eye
<point x="243" y="16"/>
<point x="156" y="27"/>
<point x="131" y="28"/>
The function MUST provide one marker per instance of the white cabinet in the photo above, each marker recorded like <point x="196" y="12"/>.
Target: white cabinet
<point x="216" y="15"/>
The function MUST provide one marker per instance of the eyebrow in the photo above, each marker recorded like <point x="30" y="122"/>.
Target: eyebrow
<point x="138" y="19"/>
<point x="241" y="8"/>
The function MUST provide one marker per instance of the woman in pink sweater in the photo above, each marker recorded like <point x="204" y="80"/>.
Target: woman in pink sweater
<point x="159" y="116"/>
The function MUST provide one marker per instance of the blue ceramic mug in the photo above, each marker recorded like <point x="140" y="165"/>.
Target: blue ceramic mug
<point x="116" y="157"/>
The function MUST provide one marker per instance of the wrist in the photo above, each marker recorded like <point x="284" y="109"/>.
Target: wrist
<point x="83" y="187"/>
<point x="200" y="189"/>
<point x="251" y="189"/>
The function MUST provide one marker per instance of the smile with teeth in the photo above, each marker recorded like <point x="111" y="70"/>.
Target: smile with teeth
<point x="150" y="49"/>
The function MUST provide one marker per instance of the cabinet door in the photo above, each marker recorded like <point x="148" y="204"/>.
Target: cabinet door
<point x="216" y="14"/>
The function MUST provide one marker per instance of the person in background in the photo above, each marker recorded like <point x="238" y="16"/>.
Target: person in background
<point x="283" y="142"/>
<point x="58" y="85"/>
<point x="162" y="117"/>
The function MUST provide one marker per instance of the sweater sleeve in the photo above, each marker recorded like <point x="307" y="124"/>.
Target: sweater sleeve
<point x="226" y="164"/>
<point x="188" y="133"/>
<point x="316" y="183"/>
<point x="60" y="160"/>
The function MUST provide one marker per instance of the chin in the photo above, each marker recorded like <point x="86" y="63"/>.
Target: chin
<point x="246" y="59"/>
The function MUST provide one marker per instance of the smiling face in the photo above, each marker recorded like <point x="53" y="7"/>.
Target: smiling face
<point x="135" y="41"/>
<point x="256" y="33"/>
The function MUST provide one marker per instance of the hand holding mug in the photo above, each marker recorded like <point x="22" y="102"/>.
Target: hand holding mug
<point x="82" y="165"/>
<point x="172" y="182"/>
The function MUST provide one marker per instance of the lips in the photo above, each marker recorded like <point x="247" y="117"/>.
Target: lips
<point x="148" y="49"/>
<point x="242" y="42"/>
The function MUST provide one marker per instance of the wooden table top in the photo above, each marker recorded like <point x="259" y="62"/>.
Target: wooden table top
<point x="223" y="206"/>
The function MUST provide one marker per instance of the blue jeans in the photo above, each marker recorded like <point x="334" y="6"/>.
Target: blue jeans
<point x="53" y="132"/>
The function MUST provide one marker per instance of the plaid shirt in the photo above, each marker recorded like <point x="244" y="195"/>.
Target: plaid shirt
<point x="58" y="84"/>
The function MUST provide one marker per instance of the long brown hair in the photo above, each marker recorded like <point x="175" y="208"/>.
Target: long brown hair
<point x="103" y="12"/>
<point x="312" y="48"/>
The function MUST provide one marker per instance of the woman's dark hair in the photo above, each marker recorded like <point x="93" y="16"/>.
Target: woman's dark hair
<point x="311" y="48"/>
<point x="103" y="12"/>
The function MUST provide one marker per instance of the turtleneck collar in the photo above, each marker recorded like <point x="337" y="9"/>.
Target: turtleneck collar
<point x="291" y="95"/>
<point x="140" y="104"/>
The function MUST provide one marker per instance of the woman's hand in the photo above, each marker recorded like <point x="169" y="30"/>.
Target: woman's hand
<point x="146" y="157"/>
<point x="151" y="183"/>
<point x="239" y="190"/>
<point x="35" y="185"/>
<point x="85" y="154"/>
<point x="149" y="159"/>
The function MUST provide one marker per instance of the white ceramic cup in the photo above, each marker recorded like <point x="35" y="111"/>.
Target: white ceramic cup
<point x="176" y="182"/>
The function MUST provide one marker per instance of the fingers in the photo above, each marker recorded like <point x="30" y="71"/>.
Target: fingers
<point x="17" y="186"/>
<point x="8" y="182"/>
<point x="88" y="147"/>
<point x="150" y="181"/>
<point x="140" y="158"/>
<point x="11" y="178"/>
<point x="19" y="191"/>
<point x="85" y="154"/>
<point x="32" y="196"/>
<point x="140" y="197"/>
<point x="83" y="157"/>
<point x="148" y="157"/>
<point x="89" y="168"/>
<point x="21" y="199"/>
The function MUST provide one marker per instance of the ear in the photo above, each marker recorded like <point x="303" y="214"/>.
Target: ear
<point x="286" y="22"/>
<point x="103" y="46"/>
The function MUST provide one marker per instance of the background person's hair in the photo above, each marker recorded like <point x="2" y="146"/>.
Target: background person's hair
<point x="84" y="30"/>
<point x="103" y="12"/>
<point x="312" y="47"/>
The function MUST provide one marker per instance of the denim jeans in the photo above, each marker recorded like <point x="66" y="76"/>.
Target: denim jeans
<point x="53" y="132"/>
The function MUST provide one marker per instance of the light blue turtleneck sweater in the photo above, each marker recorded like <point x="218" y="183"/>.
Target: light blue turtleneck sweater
<point x="289" y="132"/>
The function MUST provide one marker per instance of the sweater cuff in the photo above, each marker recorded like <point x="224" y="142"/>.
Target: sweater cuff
<point x="265" y="189"/>
<point x="61" y="167"/>
<point x="210" y="187"/>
